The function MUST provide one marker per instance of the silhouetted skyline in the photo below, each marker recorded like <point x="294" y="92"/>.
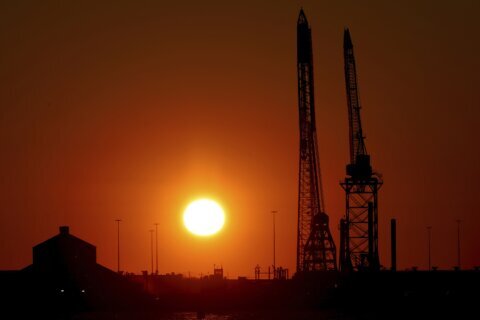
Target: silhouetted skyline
<point x="131" y="110"/>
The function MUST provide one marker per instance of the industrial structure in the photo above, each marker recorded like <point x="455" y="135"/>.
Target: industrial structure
<point x="315" y="247"/>
<point x="359" y="228"/>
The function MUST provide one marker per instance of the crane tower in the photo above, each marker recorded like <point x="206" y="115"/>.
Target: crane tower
<point x="359" y="228"/>
<point x="315" y="247"/>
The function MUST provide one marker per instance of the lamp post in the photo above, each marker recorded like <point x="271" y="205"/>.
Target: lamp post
<point x="429" y="228"/>
<point x="118" y="245"/>
<point x="156" y="248"/>
<point x="151" y="247"/>
<point x="458" y="243"/>
<point x="274" y="264"/>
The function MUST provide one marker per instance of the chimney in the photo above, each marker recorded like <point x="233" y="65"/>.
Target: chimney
<point x="64" y="230"/>
<point x="393" y="243"/>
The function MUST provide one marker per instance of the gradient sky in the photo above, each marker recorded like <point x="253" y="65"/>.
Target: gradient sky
<point x="130" y="109"/>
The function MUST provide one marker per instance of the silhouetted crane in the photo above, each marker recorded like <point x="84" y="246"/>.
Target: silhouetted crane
<point x="359" y="229"/>
<point x="315" y="247"/>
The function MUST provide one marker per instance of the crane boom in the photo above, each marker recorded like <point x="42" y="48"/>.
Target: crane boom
<point x="315" y="247"/>
<point x="359" y="159"/>
<point x="306" y="104"/>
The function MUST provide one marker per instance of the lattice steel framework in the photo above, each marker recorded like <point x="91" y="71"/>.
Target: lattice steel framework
<point x="359" y="229"/>
<point x="315" y="247"/>
<point x="361" y="224"/>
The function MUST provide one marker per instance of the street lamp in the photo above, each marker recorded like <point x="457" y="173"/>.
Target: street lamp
<point x="151" y="247"/>
<point x="458" y="243"/>
<point x="118" y="244"/>
<point x="429" y="228"/>
<point x="156" y="248"/>
<point x="274" y="268"/>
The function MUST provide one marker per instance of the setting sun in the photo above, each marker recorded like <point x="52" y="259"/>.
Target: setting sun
<point x="203" y="217"/>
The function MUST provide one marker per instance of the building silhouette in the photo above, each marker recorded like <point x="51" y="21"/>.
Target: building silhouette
<point x="65" y="277"/>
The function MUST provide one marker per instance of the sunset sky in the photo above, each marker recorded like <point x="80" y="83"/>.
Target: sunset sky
<point x="131" y="109"/>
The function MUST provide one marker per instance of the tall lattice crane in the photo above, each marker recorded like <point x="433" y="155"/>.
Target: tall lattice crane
<point x="315" y="247"/>
<point x="359" y="228"/>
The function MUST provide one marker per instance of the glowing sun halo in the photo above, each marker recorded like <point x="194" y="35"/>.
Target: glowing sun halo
<point x="203" y="217"/>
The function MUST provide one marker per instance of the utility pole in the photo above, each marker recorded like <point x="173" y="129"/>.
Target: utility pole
<point x="156" y="248"/>
<point x="151" y="247"/>
<point x="429" y="228"/>
<point x="458" y="243"/>
<point x="274" y="265"/>
<point x="118" y="245"/>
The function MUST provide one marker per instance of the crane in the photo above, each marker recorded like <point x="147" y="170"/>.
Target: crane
<point x="359" y="228"/>
<point x="315" y="247"/>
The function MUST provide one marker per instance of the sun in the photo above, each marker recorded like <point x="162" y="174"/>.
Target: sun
<point x="204" y="217"/>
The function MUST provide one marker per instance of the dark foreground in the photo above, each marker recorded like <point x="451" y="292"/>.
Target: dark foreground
<point x="66" y="282"/>
<point x="331" y="295"/>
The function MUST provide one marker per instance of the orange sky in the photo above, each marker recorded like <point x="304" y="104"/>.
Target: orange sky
<point x="130" y="110"/>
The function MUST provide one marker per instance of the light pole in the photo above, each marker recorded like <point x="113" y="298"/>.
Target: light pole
<point x="458" y="243"/>
<point x="118" y="245"/>
<point x="151" y="247"/>
<point x="429" y="248"/>
<point x="156" y="248"/>
<point x="274" y="268"/>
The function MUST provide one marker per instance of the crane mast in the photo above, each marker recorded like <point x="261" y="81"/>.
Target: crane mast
<point x="359" y="228"/>
<point x="315" y="247"/>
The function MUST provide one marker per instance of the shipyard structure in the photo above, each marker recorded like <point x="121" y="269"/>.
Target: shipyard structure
<point x="65" y="278"/>
<point x="316" y="249"/>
